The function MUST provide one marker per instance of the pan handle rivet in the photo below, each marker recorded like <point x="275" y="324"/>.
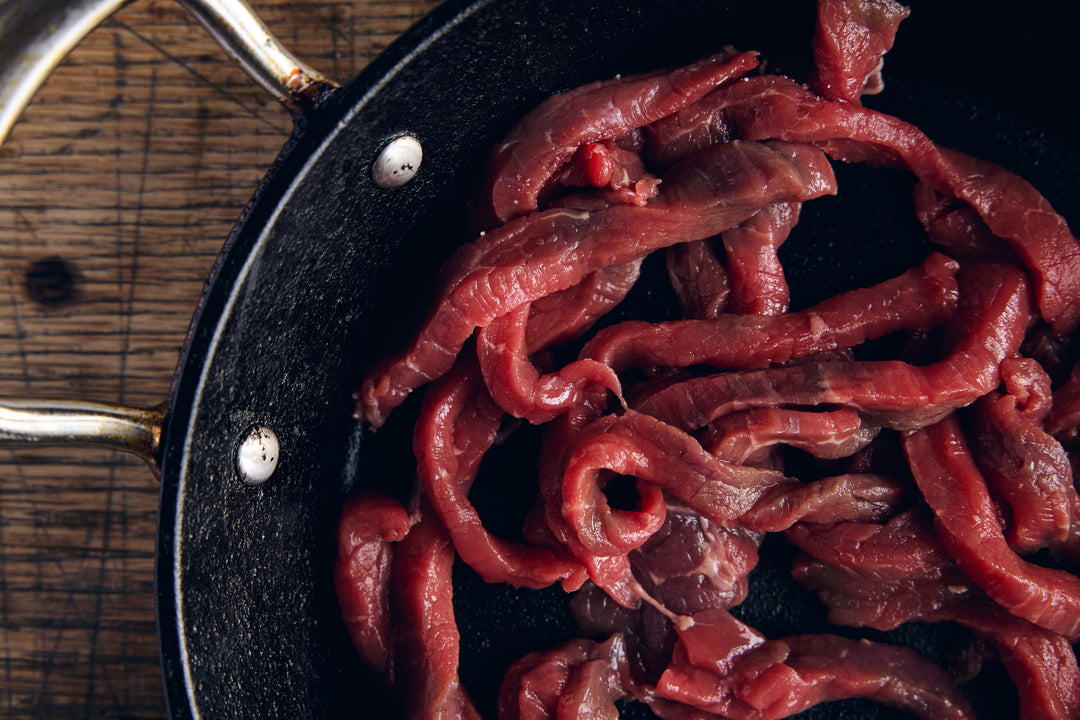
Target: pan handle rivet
<point x="258" y="455"/>
<point x="398" y="162"/>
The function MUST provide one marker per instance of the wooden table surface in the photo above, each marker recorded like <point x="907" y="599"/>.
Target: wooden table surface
<point x="117" y="188"/>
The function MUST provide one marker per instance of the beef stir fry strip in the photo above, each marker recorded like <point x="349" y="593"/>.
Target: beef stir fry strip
<point x="911" y="441"/>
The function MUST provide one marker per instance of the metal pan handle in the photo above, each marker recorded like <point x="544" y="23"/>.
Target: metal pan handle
<point x="35" y="35"/>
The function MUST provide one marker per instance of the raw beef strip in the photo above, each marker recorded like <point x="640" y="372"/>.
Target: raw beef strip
<point x="426" y="638"/>
<point x="832" y="499"/>
<point x="1063" y="422"/>
<point x="969" y="529"/>
<point x="516" y="384"/>
<point x="662" y="459"/>
<point x="564" y="316"/>
<point x="698" y="278"/>
<point x="606" y="165"/>
<point x="883" y="576"/>
<point x="370" y="523"/>
<point x="724" y="667"/>
<point x="742" y="437"/>
<point x="921" y="298"/>
<point x="849" y="41"/>
<point x="1029" y="470"/>
<point x="536" y="148"/>
<point x="758" y="285"/>
<point x="458" y="424"/>
<point x="545" y="252"/>
<point x="1010" y="207"/>
<point x="994" y="316"/>
<point x="579" y="680"/>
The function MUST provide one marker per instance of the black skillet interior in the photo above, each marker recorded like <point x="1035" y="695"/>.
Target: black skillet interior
<point x="325" y="269"/>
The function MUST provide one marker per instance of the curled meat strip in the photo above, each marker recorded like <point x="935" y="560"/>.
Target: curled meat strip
<point x="921" y="298"/>
<point x="553" y="250"/>
<point x="880" y="576"/>
<point x="773" y="107"/>
<point x="968" y="526"/>
<point x="543" y="140"/>
<point x="671" y="448"/>
<point x="892" y="393"/>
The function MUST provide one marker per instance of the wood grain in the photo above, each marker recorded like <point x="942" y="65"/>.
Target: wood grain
<point x="130" y="168"/>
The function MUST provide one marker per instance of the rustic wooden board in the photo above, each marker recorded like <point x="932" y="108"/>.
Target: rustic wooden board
<point x="129" y="169"/>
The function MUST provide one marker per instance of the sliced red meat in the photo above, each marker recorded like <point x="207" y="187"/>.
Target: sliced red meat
<point x="606" y="165"/>
<point x="536" y="148"/>
<point x="426" y="638"/>
<point x="741" y="437"/>
<point x="1027" y="381"/>
<point x="849" y="41"/>
<point x="957" y="227"/>
<point x="832" y="499"/>
<point x="758" y="285"/>
<point x="994" y="316"/>
<point x="882" y="577"/>
<point x="1063" y="422"/>
<point x="1029" y="470"/>
<point x="698" y="278"/>
<point x="969" y="529"/>
<point x="458" y="424"/>
<point x="722" y="666"/>
<point x="565" y="315"/>
<point x="370" y="523"/>
<point x="546" y="252"/>
<point x="691" y="564"/>
<point x="515" y="383"/>
<point x="579" y="680"/>
<point x="1010" y="207"/>
<point x="661" y="459"/>
<point x="921" y="298"/>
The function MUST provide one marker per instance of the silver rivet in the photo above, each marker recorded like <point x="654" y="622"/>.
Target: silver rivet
<point x="398" y="162"/>
<point x="257" y="457"/>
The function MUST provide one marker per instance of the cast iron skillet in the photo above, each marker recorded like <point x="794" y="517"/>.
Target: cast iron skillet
<point x="325" y="265"/>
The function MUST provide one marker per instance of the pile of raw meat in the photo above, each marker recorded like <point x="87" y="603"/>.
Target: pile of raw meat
<point x="665" y="458"/>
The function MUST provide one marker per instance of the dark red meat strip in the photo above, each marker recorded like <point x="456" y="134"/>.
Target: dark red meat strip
<point x="516" y="384"/>
<point x="1010" y="207"/>
<point x="1063" y="422"/>
<point x="832" y="499"/>
<point x="505" y="346"/>
<point x="606" y="165"/>
<point x="659" y="457"/>
<point x="883" y="576"/>
<point x="919" y="299"/>
<point x="957" y="227"/>
<point x="546" y="252"/>
<point x="1029" y="470"/>
<point x="722" y="666"/>
<point x="370" y="523"/>
<point x="742" y="437"/>
<point x="698" y="278"/>
<point x="1026" y="381"/>
<point x="458" y="423"/>
<point x="579" y="680"/>
<point x="849" y="41"/>
<point x="968" y="527"/>
<point x="426" y="639"/>
<point x="891" y="393"/>
<point x="691" y="564"/>
<point x="535" y="149"/>
<point x="565" y="315"/>
<point x="878" y="575"/>
<point x="758" y="285"/>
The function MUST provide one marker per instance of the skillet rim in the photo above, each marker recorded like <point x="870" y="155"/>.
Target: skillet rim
<point x="313" y="130"/>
